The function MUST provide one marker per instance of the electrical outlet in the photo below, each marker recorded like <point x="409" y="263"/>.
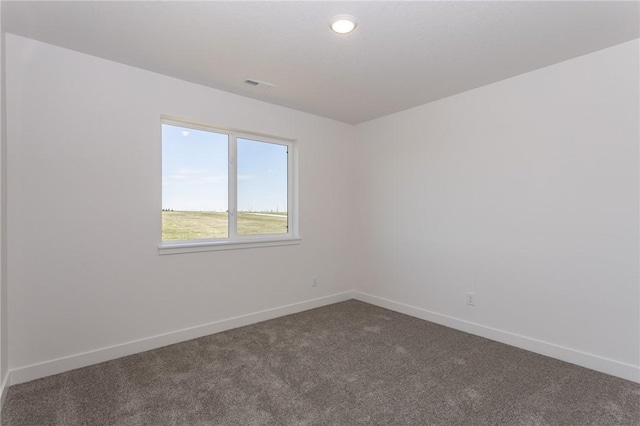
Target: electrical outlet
<point x="471" y="299"/>
<point x="315" y="281"/>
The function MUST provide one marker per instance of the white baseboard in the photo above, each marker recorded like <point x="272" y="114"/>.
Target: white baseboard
<point x="4" y="388"/>
<point x="583" y="359"/>
<point x="60" y="365"/>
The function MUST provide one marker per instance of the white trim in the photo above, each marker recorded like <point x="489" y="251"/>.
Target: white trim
<point x="232" y="189"/>
<point x="60" y="365"/>
<point x="293" y="178"/>
<point x="196" y="246"/>
<point x="573" y="356"/>
<point x="199" y="125"/>
<point x="4" y="388"/>
<point x="72" y="362"/>
<point x="232" y="239"/>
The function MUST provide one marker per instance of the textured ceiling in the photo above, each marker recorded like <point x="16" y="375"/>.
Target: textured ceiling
<point x="401" y="55"/>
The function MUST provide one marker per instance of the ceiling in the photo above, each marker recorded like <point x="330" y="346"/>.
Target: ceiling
<point x="402" y="54"/>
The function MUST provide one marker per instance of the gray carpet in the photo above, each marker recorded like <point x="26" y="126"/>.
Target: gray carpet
<point x="344" y="364"/>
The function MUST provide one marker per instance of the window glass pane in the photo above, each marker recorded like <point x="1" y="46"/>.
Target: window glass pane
<point x="262" y="188"/>
<point x="195" y="176"/>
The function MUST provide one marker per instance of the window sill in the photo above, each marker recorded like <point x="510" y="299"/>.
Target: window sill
<point x="194" y="247"/>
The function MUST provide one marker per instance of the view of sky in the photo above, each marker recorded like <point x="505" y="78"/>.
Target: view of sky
<point x="195" y="172"/>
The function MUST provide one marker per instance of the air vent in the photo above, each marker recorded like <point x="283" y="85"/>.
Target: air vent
<point x="257" y="83"/>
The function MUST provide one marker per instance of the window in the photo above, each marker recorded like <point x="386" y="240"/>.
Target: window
<point x="225" y="189"/>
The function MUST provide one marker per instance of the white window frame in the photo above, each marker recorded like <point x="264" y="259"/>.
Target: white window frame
<point x="235" y="241"/>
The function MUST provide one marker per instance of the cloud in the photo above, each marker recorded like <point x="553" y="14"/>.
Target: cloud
<point x="186" y="171"/>
<point x="192" y="177"/>
<point x="214" y="179"/>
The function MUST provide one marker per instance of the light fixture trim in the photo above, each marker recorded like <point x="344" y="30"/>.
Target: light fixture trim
<point x="257" y="83"/>
<point x="343" y="24"/>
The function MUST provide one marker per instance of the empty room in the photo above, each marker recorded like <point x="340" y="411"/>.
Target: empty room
<point x="320" y="213"/>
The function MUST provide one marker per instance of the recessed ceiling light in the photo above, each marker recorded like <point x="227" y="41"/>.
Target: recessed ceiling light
<point x="343" y="24"/>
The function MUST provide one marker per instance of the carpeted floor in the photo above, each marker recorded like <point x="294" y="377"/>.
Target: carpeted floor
<point x="345" y="364"/>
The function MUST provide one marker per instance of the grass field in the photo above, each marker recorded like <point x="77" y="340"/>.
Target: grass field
<point x="182" y="225"/>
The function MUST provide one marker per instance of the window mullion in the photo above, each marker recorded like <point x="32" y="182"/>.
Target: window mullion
<point x="233" y="187"/>
<point x="292" y="225"/>
<point x="193" y="155"/>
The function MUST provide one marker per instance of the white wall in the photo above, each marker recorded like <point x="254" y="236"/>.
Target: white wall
<point x="4" y="365"/>
<point x="524" y="192"/>
<point x="84" y="148"/>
